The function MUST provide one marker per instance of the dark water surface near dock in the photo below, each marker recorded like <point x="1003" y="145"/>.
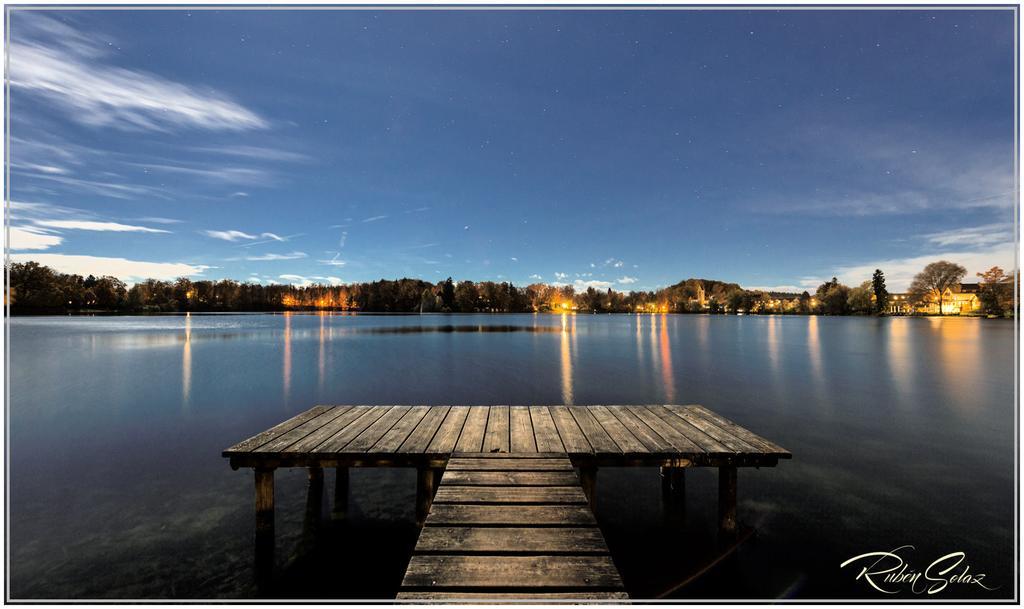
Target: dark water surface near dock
<point x="902" y="432"/>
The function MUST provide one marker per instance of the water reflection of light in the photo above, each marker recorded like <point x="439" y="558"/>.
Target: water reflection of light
<point x="566" y="361"/>
<point x="320" y="359"/>
<point x="186" y="361"/>
<point x="959" y="352"/>
<point x="814" y="352"/>
<point x="773" y="343"/>
<point x="666" y="362"/>
<point x="286" y="366"/>
<point x="901" y="357"/>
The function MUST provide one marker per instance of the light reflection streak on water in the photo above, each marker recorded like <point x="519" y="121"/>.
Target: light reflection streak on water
<point x="186" y="362"/>
<point x="286" y="364"/>
<point x="567" y="393"/>
<point x="666" y="362"/>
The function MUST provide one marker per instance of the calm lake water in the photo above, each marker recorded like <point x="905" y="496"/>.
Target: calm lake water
<point x="902" y="432"/>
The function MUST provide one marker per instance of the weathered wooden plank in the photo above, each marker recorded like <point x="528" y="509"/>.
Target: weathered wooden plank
<point x="510" y="494"/>
<point x="290" y="437"/>
<point x="544" y="430"/>
<point x="319" y="436"/>
<point x="512" y="463"/>
<point x="510" y="515"/>
<point x="338" y="441"/>
<point x="265" y="436"/>
<point x="499" y="598"/>
<point x="627" y="442"/>
<point x="730" y="441"/>
<point x="522" y="540"/>
<point x="638" y="428"/>
<point x="517" y="456"/>
<point x="674" y="437"/>
<point x="698" y="437"/>
<point x="376" y="430"/>
<point x="521" y="430"/>
<point x="395" y="436"/>
<point x="496" y="438"/>
<point x="472" y="437"/>
<point x="506" y="478"/>
<point x="598" y="438"/>
<point x="741" y="432"/>
<point x="569" y="431"/>
<point x="420" y="437"/>
<point x="448" y="434"/>
<point x="486" y="572"/>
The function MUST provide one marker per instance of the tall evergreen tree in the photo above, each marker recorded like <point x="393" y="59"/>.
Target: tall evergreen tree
<point x="881" y="294"/>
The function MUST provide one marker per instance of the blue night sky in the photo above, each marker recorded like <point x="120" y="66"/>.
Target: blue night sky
<point x="624" y="149"/>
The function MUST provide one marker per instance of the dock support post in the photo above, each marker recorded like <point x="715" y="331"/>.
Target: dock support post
<point x="424" y="493"/>
<point x="314" y="508"/>
<point x="264" y="526"/>
<point x="340" y="511"/>
<point x="588" y="480"/>
<point x="727" y="501"/>
<point x="673" y="482"/>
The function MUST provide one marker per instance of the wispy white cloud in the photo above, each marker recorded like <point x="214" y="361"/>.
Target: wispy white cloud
<point x="561" y="276"/>
<point x="238" y="195"/>
<point x="626" y="280"/>
<point x="127" y="270"/>
<point x="31" y="238"/>
<point x="159" y="220"/>
<point x="536" y="277"/>
<point x="73" y="70"/>
<point x="303" y="281"/>
<point x="514" y="259"/>
<point x="237" y="235"/>
<point x="333" y="261"/>
<point x="612" y="262"/>
<point x="374" y="218"/>
<point x="255" y="152"/>
<point x="90" y="225"/>
<point x="899" y="272"/>
<point x="580" y="284"/>
<point x="288" y="256"/>
<point x="973" y="236"/>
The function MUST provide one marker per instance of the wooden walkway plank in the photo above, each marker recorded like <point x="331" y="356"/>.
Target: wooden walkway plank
<point x="698" y="437"/>
<point x="345" y="435"/>
<point x="740" y="432"/>
<point x="396" y="436"/>
<point x="499" y="572"/>
<point x="544" y="431"/>
<point x="519" y="540"/>
<point x="521" y="430"/>
<point x="318" y="437"/>
<point x="448" y="434"/>
<point x="734" y="444"/>
<point x="596" y="435"/>
<point x="292" y="436"/>
<point x="510" y="494"/>
<point x="496" y="438"/>
<point x="497" y="463"/>
<point x="509" y="478"/>
<point x="376" y="430"/>
<point x="641" y="430"/>
<point x="676" y="439"/>
<point x="519" y="515"/>
<point x="265" y="436"/>
<point x="569" y="431"/>
<point x="627" y="442"/>
<point x="421" y="437"/>
<point x="498" y="598"/>
<point x="472" y="437"/>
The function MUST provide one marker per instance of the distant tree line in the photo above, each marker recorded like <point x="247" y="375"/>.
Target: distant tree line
<point x="34" y="288"/>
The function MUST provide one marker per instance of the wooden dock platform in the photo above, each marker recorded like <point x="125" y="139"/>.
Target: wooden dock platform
<point x="548" y="454"/>
<point x="510" y="527"/>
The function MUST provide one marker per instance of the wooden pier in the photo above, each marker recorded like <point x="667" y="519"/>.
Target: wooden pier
<point x="514" y="484"/>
